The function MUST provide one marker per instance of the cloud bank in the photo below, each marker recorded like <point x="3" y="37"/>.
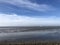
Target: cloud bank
<point x="17" y="20"/>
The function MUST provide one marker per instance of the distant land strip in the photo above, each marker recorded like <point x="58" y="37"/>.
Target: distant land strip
<point x="29" y="28"/>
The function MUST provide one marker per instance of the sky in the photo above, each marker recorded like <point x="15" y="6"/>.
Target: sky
<point x="29" y="12"/>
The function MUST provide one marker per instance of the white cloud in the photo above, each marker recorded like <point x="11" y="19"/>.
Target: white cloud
<point x="15" y="20"/>
<point x="29" y="5"/>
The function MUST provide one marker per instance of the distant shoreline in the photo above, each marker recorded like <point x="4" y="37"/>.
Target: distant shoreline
<point x="29" y="28"/>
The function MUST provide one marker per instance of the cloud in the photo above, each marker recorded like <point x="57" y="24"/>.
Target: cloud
<point x="29" y="5"/>
<point x="17" y="20"/>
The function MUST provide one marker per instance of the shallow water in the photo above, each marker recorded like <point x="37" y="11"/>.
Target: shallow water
<point x="53" y="35"/>
<point x="18" y="34"/>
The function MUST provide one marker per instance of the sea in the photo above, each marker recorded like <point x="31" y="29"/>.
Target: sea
<point x="22" y="33"/>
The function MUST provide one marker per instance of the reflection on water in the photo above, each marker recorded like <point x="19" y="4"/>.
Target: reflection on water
<point x="16" y="34"/>
<point x="32" y="35"/>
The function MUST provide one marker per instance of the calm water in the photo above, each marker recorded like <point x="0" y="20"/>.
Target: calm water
<point x="16" y="35"/>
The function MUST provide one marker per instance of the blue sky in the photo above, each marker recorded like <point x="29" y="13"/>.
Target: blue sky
<point x="29" y="12"/>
